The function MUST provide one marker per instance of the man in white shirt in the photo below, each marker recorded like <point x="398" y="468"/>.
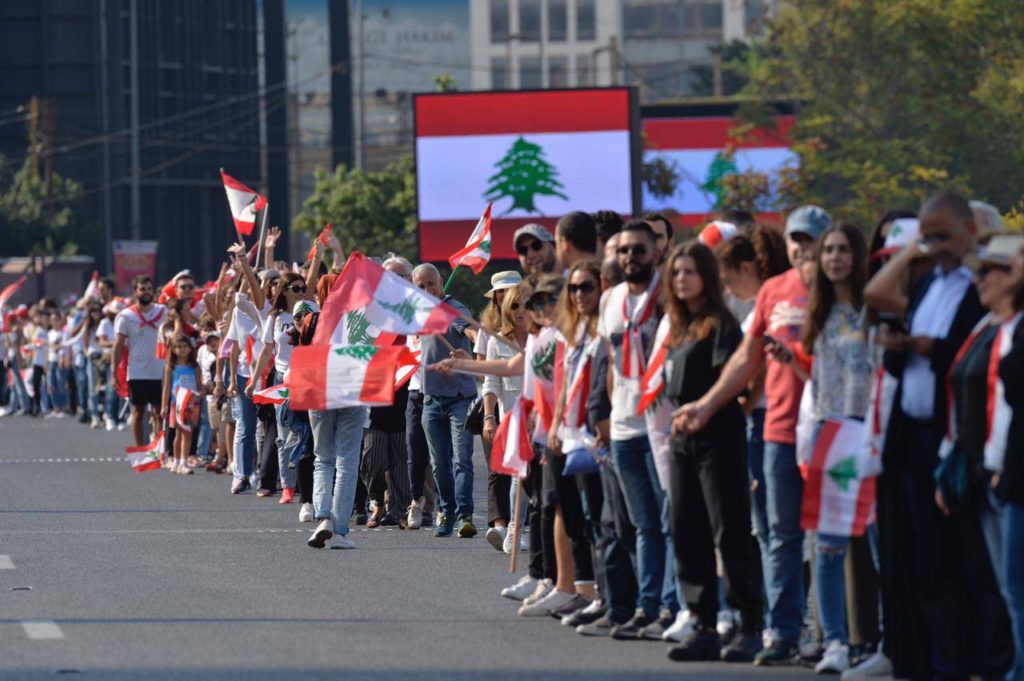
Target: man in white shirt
<point x="138" y="328"/>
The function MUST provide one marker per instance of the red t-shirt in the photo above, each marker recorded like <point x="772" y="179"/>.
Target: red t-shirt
<point x="779" y="312"/>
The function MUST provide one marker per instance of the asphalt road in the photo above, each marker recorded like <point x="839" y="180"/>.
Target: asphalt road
<point x="105" y="573"/>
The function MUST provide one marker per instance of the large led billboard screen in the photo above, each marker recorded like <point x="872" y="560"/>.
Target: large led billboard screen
<point x="536" y="154"/>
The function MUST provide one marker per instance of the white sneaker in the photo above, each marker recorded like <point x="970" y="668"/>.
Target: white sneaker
<point x="876" y="666"/>
<point x="543" y="607"/>
<point x="4" y="411"/>
<point x="96" y="423"/>
<point x="414" y="518"/>
<point x="836" y="659"/>
<point x="521" y="589"/>
<point x="495" y="536"/>
<point x="726" y="622"/>
<point x="685" y="621"/>
<point x="544" y="587"/>
<point x="121" y="426"/>
<point x="109" y="423"/>
<point x="323" y="532"/>
<point x="306" y="513"/>
<point x="506" y="544"/>
<point x="342" y="542"/>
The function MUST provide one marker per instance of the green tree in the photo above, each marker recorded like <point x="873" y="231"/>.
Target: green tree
<point x="523" y="174"/>
<point x="895" y="100"/>
<point x="722" y="166"/>
<point x="34" y="218"/>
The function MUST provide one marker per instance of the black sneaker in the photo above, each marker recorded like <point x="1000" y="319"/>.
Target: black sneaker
<point x="778" y="653"/>
<point x="655" y="630"/>
<point x="602" y="626"/>
<point x="388" y="521"/>
<point x="577" y="603"/>
<point x="699" y="645"/>
<point x="359" y="518"/>
<point x="585" y="615"/>
<point x="743" y="647"/>
<point x="466" y="528"/>
<point x="631" y="630"/>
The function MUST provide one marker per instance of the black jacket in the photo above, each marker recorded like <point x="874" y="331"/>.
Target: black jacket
<point x="1011" y="371"/>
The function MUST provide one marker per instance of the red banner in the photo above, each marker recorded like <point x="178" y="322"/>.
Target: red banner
<point x="132" y="258"/>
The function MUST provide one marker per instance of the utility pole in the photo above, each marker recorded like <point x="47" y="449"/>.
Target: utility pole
<point x="49" y="125"/>
<point x="362" y="85"/>
<point x="33" y="136"/>
<point x="133" y="41"/>
<point x="613" y="58"/>
<point x="108" y="228"/>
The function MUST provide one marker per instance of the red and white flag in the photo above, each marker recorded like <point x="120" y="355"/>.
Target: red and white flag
<point x="335" y="376"/>
<point x="182" y="404"/>
<point x="9" y="291"/>
<point x="244" y="203"/>
<point x="323" y="238"/>
<point x="542" y="376"/>
<point x="477" y="252"/>
<point x="147" y="457"/>
<point x="93" y="288"/>
<point x="512" y="450"/>
<point x="999" y="414"/>
<point x="410" y="366"/>
<point x="838" y="498"/>
<point x="275" y="394"/>
<point x="388" y="301"/>
<point x="653" y="381"/>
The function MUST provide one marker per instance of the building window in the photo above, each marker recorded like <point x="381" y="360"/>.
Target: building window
<point x="586" y="20"/>
<point x="499" y="73"/>
<point x="703" y="20"/>
<point x="558" y="20"/>
<point x="584" y="70"/>
<point x="756" y="15"/>
<point x="652" y="20"/>
<point x="499" y="21"/>
<point x="558" y="72"/>
<point x="529" y="20"/>
<point x="529" y="73"/>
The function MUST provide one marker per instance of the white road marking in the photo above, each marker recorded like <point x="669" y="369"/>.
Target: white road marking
<point x="6" y="563"/>
<point x="42" y="630"/>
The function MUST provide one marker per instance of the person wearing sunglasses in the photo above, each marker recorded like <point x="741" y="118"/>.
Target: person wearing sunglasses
<point x="629" y="318"/>
<point x="536" y="250"/>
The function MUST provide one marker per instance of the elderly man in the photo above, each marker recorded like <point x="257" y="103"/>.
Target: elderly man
<point x="446" y="401"/>
<point x="536" y="250"/>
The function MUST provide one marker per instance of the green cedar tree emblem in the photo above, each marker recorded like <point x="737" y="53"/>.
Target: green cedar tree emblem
<point x="406" y="309"/>
<point x="364" y="353"/>
<point x="523" y="174"/>
<point x="357" y="328"/>
<point x="543" y="362"/>
<point x="844" y="472"/>
<point x="721" y="167"/>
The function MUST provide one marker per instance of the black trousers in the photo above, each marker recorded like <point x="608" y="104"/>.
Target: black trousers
<point x="542" y="549"/>
<point x="560" y="492"/>
<point x="592" y="496"/>
<point x="384" y="465"/>
<point x="416" y="443"/>
<point x="617" y="549"/>
<point x="304" y="479"/>
<point x="710" y="508"/>
<point x="38" y="373"/>
<point x="268" y="451"/>
<point x="931" y="618"/>
<point x="498" y="488"/>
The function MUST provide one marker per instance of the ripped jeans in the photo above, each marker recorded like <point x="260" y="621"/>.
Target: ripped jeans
<point x="830" y="585"/>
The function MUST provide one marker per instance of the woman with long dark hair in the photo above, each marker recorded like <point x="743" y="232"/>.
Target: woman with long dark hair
<point x="710" y="505"/>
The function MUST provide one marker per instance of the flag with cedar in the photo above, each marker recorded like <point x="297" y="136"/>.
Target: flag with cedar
<point x="477" y="252"/>
<point x="839" y="495"/>
<point x="335" y="376"/>
<point x="147" y="457"/>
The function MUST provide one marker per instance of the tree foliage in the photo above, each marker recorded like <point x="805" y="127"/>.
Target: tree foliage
<point x="894" y="100"/>
<point x="33" y="218"/>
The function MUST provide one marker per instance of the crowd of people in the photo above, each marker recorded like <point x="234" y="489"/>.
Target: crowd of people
<point x="685" y="400"/>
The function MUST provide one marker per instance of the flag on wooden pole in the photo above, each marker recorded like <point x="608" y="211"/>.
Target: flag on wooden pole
<point x="244" y="203"/>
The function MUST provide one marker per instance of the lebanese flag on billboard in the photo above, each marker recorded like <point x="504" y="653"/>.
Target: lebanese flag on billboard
<point x="9" y="291"/>
<point x="335" y="376"/>
<point x="477" y="252"/>
<point x="244" y="203"/>
<point x="704" y="152"/>
<point x="388" y="301"/>
<point x="536" y="155"/>
<point x="147" y="457"/>
<point x="512" y="450"/>
<point x="275" y="394"/>
<point x="838" y="498"/>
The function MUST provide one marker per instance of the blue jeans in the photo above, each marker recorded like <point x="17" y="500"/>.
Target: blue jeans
<point x="245" y="432"/>
<point x="19" y="395"/>
<point x="830" y="586"/>
<point x="758" y="498"/>
<point x="56" y="389"/>
<point x="112" y="405"/>
<point x="91" y="380"/>
<point x="1003" y="527"/>
<point x="451" y="447"/>
<point x="337" y="440"/>
<point x="784" y="489"/>
<point x="647" y="506"/>
<point x="82" y="387"/>
<point x="288" y="441"/>
<point x="205" y="431"/>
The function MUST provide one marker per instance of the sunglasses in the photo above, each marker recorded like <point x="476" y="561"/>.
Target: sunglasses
<point x="297" y="288"/>
<point x="639" y="250"/>
<point x="185" y="287"/>
<point x="534" y="246"/>
<point x="584" y="288"/>
<point x="984" y="270"/>
<point x="539" y="303"/>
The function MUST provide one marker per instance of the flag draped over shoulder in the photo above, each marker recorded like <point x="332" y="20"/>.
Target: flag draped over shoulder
<point x="244" y="203"/>
<point x="838" y="498"/>
<point x="388" y="302"/>
<point x="335" y="376"/>
<point x="147" y="457"/>
<point x="477" y="252"/>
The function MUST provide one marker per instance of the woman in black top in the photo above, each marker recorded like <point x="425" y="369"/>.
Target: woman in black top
<point x="708" y="468"/>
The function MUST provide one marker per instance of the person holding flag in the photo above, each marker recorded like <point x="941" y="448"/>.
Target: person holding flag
<point x="183" y="387"/>
<point x="708" y="483"/>
<point x="137" y="329"/>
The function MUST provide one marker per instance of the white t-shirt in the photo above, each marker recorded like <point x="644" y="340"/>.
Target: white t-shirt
<point x="105" y="330"/>
<point x="278" y="334"/>
<point x="413" y="343"/>
<point x="141" y="333"/>
<point x="207" y="363"/>
<point x="39" y="349"/>
<point x="625" y="397"/>
<point x="54" y="339"/>
<point x="242" y="329"/>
